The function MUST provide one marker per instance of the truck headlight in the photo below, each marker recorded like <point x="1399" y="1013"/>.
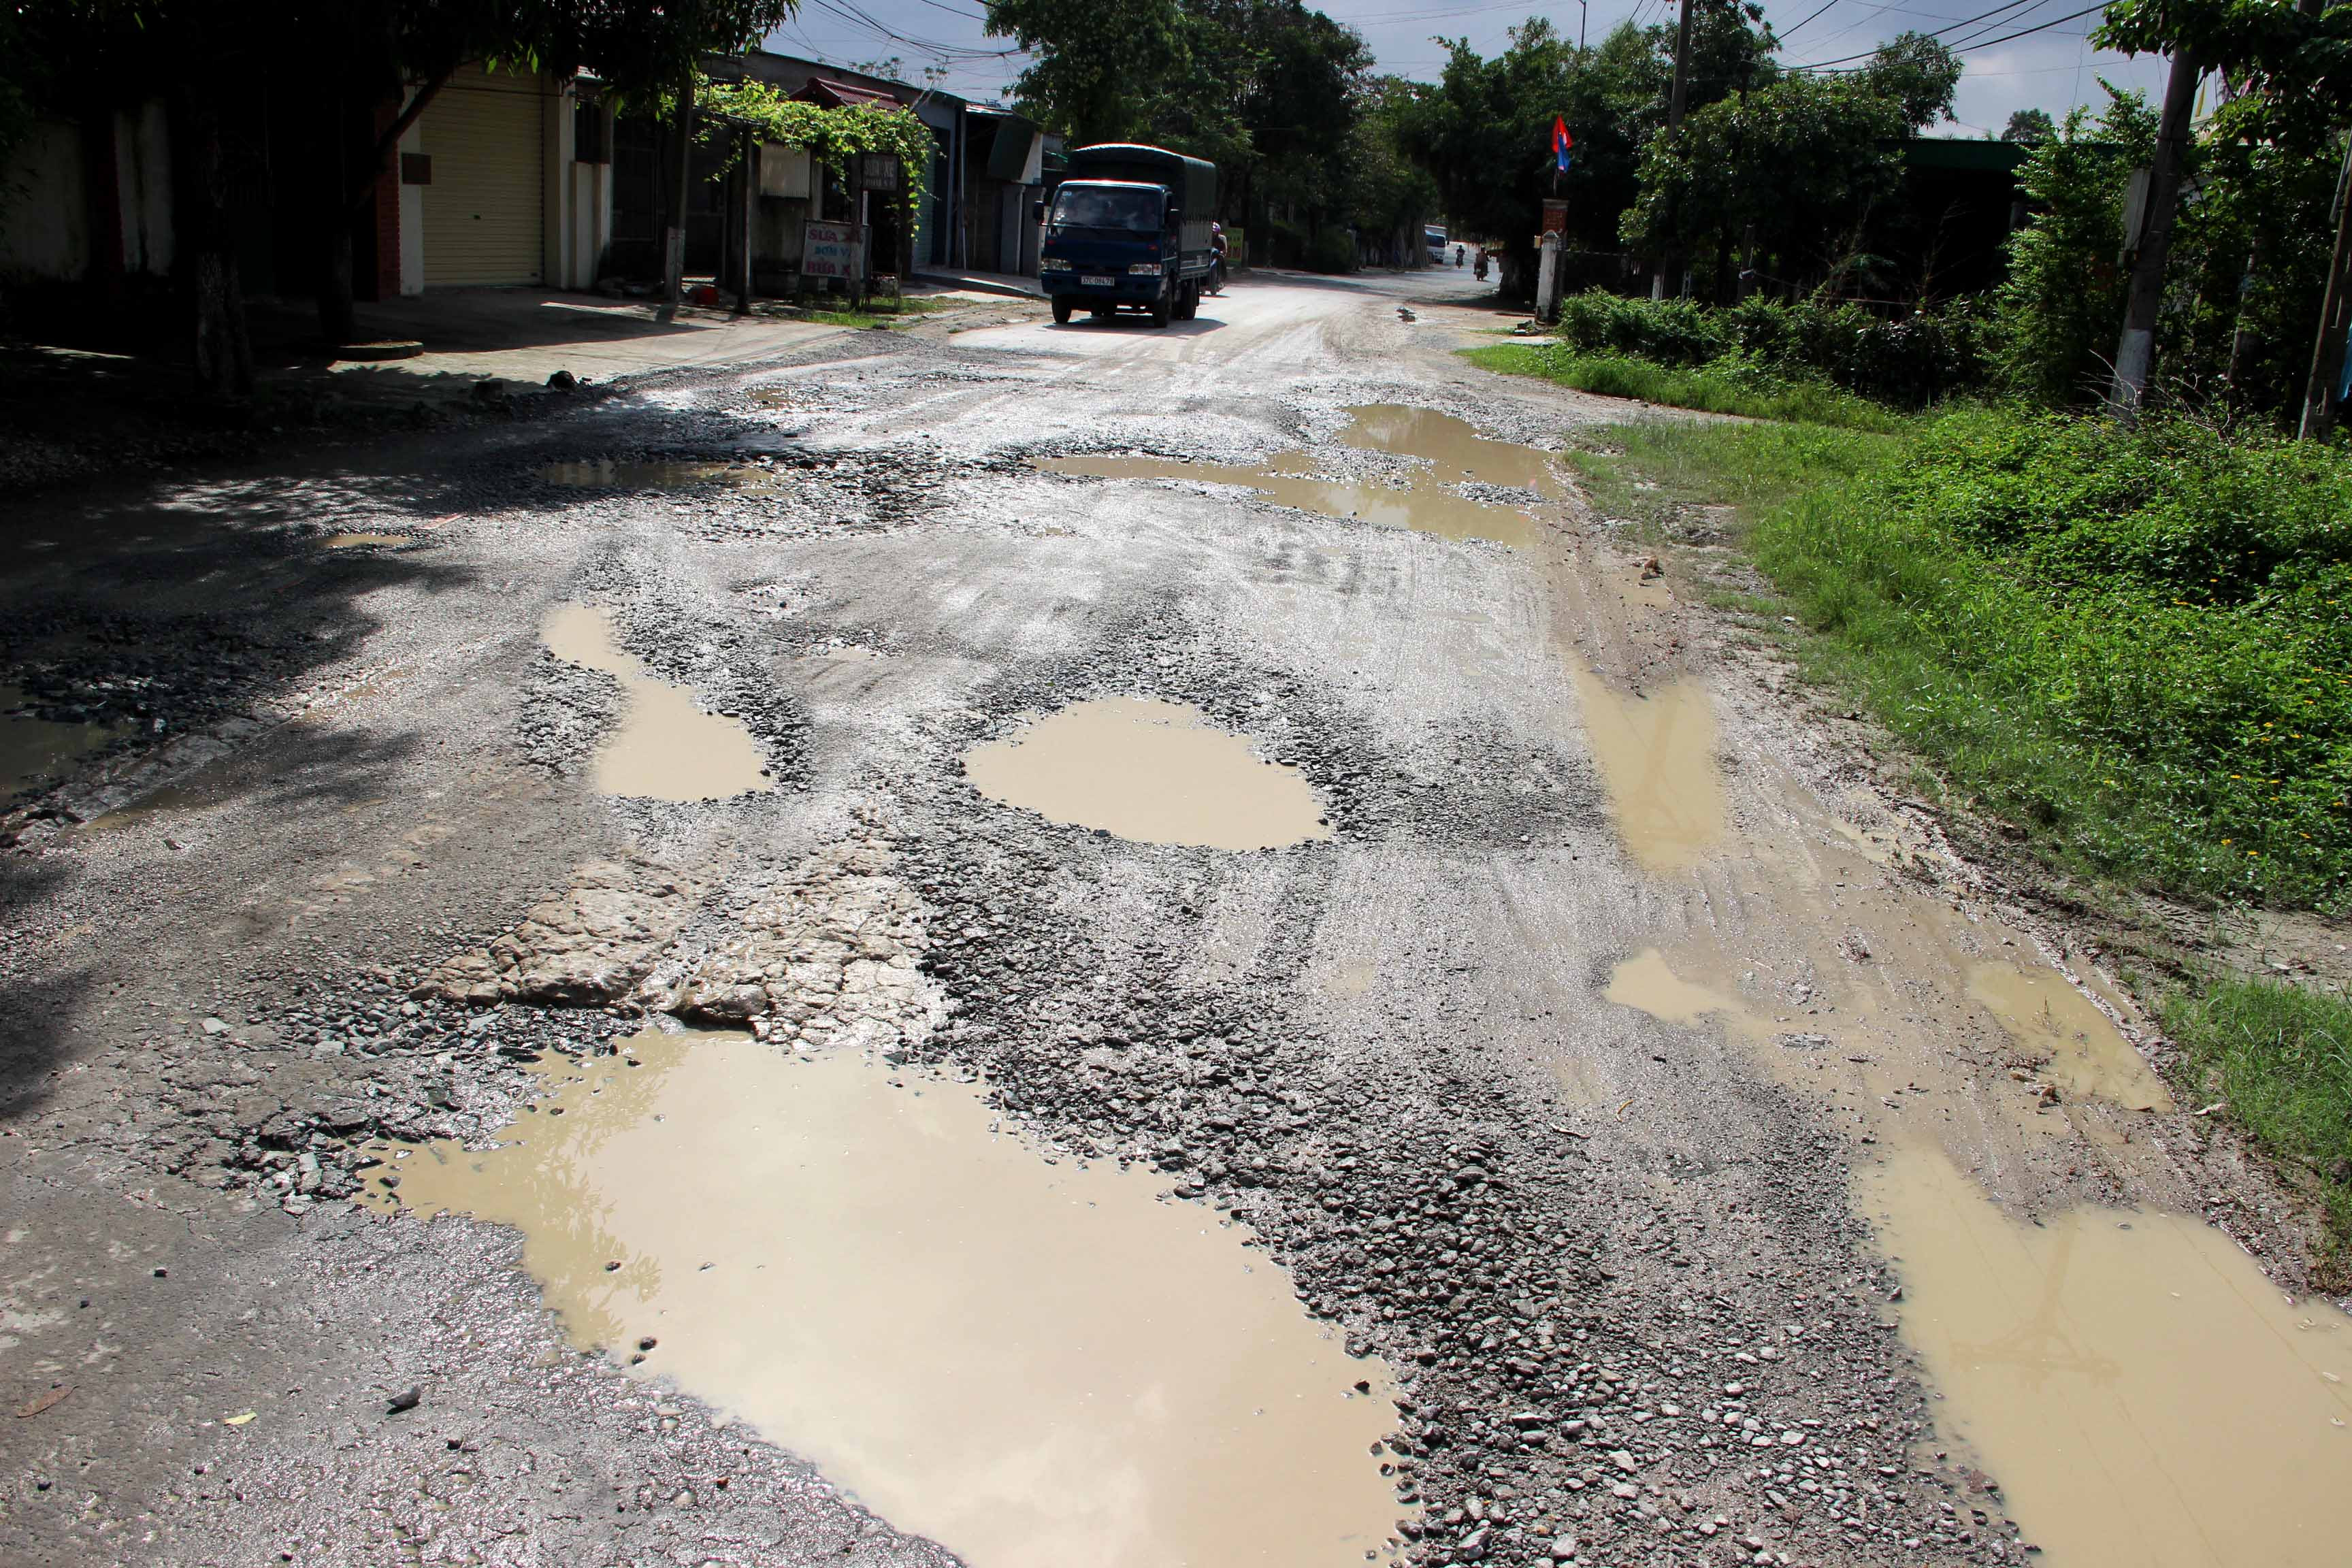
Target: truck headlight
<point x="1143" y="270"/>
<point x="1053" y="264"/>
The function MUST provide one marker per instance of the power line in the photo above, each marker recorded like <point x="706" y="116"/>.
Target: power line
<point x="1825" y="5"/>
<point x="1986" y="43"/>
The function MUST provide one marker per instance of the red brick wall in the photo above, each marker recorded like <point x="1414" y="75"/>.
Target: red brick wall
<point x="380" y="280"/>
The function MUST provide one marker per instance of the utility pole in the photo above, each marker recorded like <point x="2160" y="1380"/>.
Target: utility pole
<point x="2153" y="243"/>
<point x="674" y="232"/>
<point x="2319" y="400"/>
<point x="1671" y="262"/>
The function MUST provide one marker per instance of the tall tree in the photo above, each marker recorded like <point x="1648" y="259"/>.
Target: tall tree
<point x="1269" y="91"/>
<point x="2063" y="299"/>
<point x="1097" y="61"/>
<point x="2029" y="126"/>
<point x="2288" y="53"/>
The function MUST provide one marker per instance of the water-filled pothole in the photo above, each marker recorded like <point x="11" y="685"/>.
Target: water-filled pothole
<point x="611" y="474"/>
<point x="1157" y="773"/>
<point x="2049" y="1018"/>
<point x="363" y="540"/>
<point x="37" y="751"/>
<point x="1037" y="1365"/>
<point x="1647" y="984"/>
<point x="2146" y="1398"/>
<point x="665" y="747"/>
<point x="1450" y="452"/>
<point x="1656" y="751"/>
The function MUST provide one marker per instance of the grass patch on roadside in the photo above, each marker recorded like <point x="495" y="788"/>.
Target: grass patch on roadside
<point x="2134" y="643"/>
<point x="2281" y="1058"/>
<point x="874" y="313"/>
<point x="1728" y="386"/>
<point x="1635" y="470"/>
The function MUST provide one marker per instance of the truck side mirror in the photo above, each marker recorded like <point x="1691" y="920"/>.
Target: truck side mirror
<point x="1037" y="212"/>
<point x="1175" y="217"/>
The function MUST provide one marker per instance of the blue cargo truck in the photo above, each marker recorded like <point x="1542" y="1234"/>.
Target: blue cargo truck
<point x="1128" y="229"/>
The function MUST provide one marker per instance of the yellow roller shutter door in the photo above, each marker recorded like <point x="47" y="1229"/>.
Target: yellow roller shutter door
<point x="483" y="210"/>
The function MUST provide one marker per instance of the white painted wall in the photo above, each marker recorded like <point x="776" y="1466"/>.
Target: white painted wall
<point x="142" y="178"/>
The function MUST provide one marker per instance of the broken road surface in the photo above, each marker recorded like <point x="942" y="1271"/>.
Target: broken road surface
<point x="1054" y="946"/>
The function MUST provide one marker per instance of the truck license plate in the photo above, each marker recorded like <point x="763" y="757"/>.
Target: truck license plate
<point x="1096" y="282"/>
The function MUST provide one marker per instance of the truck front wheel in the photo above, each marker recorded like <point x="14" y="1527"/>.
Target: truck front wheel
<point x="1162" y="307"/>
<point x="1061" y="310"/>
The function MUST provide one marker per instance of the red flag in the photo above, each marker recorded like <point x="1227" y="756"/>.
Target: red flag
<point x="1561" y="140"/>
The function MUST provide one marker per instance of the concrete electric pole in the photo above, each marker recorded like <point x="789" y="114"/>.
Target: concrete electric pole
<point x="1670" y="263"/>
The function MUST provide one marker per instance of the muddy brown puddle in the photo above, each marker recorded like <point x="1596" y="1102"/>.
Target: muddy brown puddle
<point x="36" y="751"/>
<point x="1038" y="1365"/>
<point x="609" y="473"/>
<point x="1449" y="452"/>
<point x="1153" y="772"/>
<point x="2050" y="1020"/>
<point x="665" y="747"/>
<point x="2144" y="1395"/>
<point x="1656" y="751"/>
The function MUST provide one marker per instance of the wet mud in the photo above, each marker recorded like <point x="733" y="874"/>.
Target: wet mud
<point x="666" y="747"/>
<point x="1647" y="984"/>
<point x="1152" y="771"/>
<point x="1655" y="749"/>
<point x="1037" y="1364"/>
<point x="2144" y="1395"/>
<point x="35" y="751"/>
<point x="2050" y="1020"/>
<point x="1450" y="454"/>
<point x="362" y="541"/>
<point x="609" y="473"/>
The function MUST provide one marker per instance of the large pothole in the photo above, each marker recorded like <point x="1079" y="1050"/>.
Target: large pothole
<point x="1152" y="771"/>
<point x="1032" y="1362"/>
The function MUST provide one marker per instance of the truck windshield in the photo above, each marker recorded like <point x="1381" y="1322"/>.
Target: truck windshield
<point x="1099" y="207"/>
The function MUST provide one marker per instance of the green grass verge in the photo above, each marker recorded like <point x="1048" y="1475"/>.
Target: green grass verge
<point x="1645" y="471"/>
<point x="874" y="313"/>
<point x="2280" y="1059"/>
<point x="1722" y="388"/>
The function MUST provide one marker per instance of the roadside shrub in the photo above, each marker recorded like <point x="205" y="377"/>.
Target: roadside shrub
<point x="1331" y="250"/>
<point x="2135" y="641"/>
<point x="1918" y="360"/>
<point x="2062" y="304"/>
<point x="1670" y="332"/>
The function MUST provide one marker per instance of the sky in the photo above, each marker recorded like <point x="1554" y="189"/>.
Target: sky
<point x="2051" y="68"/>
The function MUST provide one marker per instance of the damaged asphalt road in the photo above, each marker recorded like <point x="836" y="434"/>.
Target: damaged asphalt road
<point x="1558" y="1065"/>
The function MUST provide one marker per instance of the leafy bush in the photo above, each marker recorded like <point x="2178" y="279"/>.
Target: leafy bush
<point x="1332" y="249"/>
<point x="2061" y="308"/>
<point x="2134" y="640"/>
<point x="1912" y="362"/>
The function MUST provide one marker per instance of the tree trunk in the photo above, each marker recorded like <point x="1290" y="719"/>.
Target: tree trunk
<point x="338" y="319"/>
<point x="338" y="324"/>
<point x="223" y="353"/>
<point x="2320" y="402"/>
<point x="2137" y="350"/>
<point x="674" y="232"/>
<point x="2241" y="338"/>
